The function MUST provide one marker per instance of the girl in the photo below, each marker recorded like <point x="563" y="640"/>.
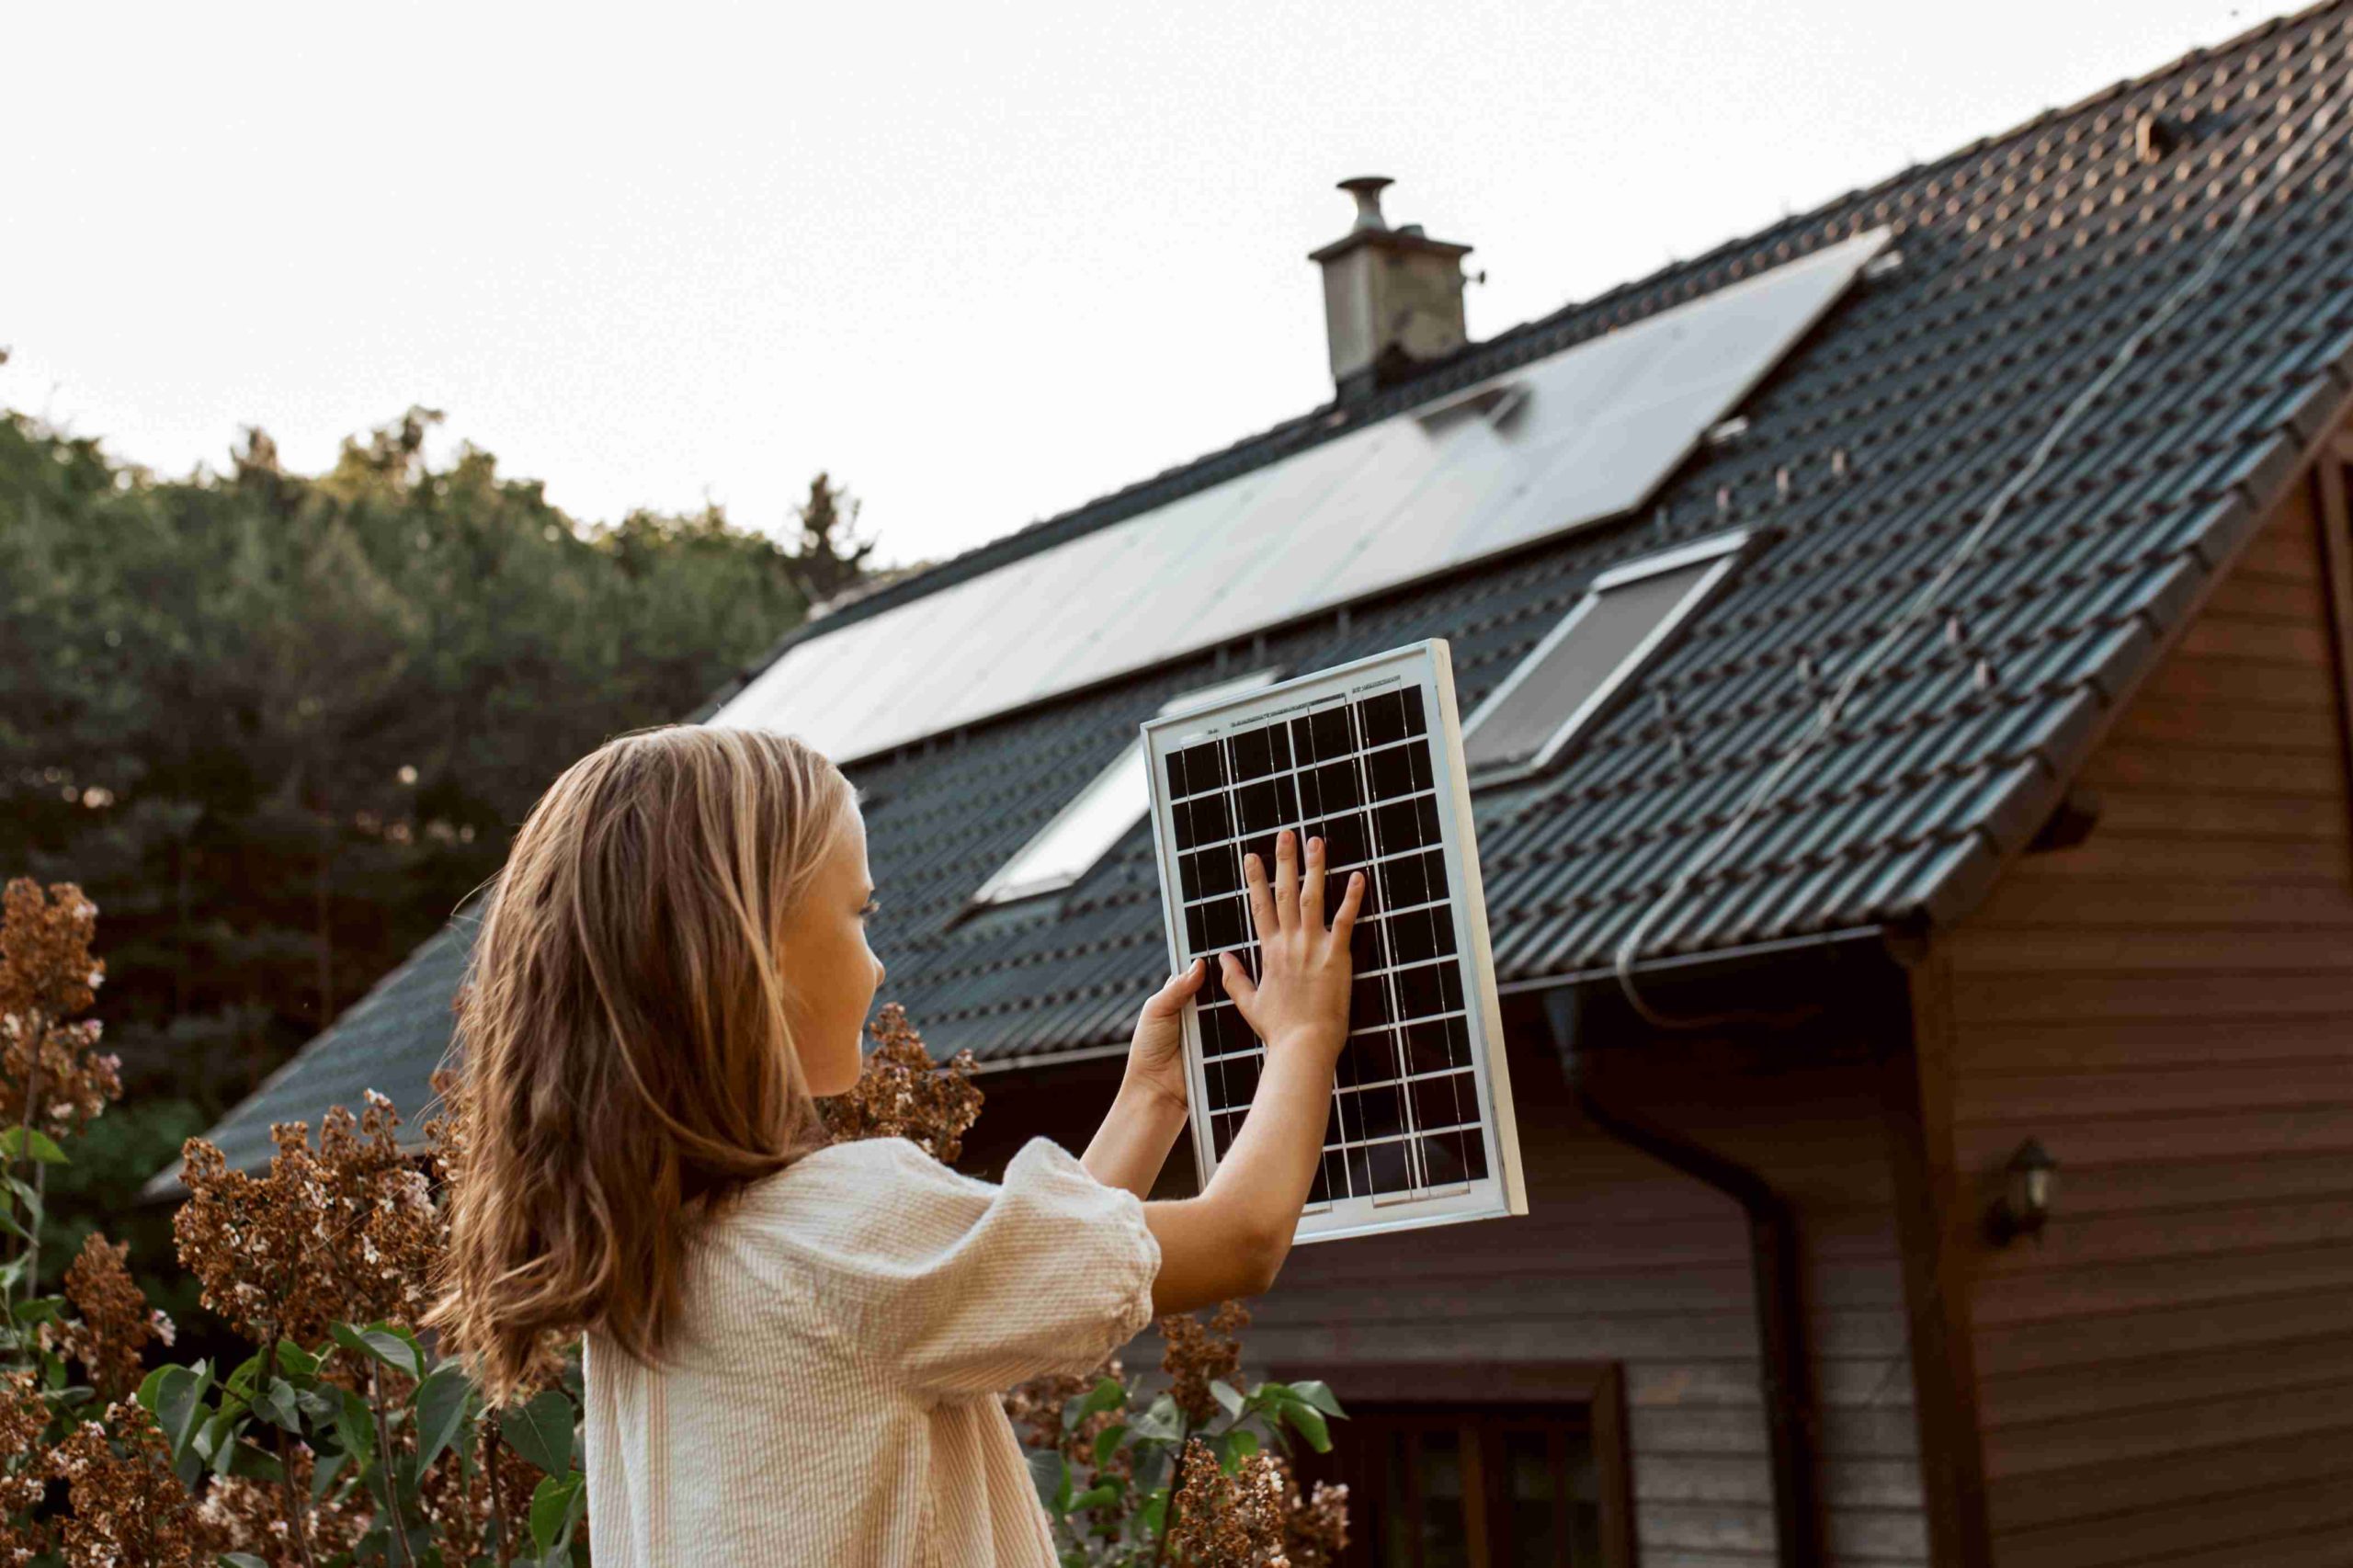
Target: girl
<point x="793" y="1349"/>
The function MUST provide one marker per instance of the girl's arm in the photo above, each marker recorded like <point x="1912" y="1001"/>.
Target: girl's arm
<point x="1231" y="1240"/>
<point x="1132" y="1143"/>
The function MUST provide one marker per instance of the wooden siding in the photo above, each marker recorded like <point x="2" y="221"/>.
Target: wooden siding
<point x="2167" y="1378"/>
<point x="1621" y="1259"/>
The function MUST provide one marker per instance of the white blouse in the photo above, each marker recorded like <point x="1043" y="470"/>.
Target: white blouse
<point x="848" y="1328"/>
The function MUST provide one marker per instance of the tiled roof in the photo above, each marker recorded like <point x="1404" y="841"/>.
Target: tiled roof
<point x="1870" y="454"/>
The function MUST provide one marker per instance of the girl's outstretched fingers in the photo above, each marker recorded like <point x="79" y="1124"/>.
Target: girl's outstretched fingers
<point x="1311" y="886"/>
<point x="1344" y="920"/>
<point x="1287" y="879"/>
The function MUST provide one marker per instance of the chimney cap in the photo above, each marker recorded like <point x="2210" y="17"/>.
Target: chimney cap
<point x="1366" y="189"/>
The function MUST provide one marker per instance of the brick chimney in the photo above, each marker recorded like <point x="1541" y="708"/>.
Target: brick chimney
<point x="1393" y="297"/>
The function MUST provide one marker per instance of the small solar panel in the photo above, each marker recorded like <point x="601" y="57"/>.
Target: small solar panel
<point x="1368" y="755"/>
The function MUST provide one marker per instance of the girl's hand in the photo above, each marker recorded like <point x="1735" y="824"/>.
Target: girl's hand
<point x="1157" y="1057"/>
<point x="1301" y="992"/>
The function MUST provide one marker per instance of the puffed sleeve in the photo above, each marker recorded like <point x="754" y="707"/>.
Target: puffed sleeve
<point x="967" y="1287"/>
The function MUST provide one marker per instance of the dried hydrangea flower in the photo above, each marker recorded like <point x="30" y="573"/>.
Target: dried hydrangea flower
<point x="1228" y="1521"/>
<point x="51" y="1073"/>
<point x="127" y="1508"/>
<point x="347" y="1233"/>
<point x="901" y="1093"/>
<point x="241" y="1513"/>
<point x="1195" y="1357"/>
<point x="1316" y="1531"/>
<point x="24" y="1465"/>
<point x="111" y="1337"/>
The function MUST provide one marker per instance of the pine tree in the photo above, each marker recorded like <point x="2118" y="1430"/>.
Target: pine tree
<point x="828" y="561"/>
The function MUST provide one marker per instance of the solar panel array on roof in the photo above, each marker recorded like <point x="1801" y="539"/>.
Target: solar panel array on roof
<point x="1550" y="445"/>
<point x="1368" y="755"/>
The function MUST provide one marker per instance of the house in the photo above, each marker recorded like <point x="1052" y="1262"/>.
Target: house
<point x="1992" y="808"/>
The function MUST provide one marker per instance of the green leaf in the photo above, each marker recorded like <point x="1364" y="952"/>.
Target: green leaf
<point x="1228" y="1396"/>
<point x="1159" y="1422"/>
<point x="275" y="1405"/>
<point x="1238" y="1445"/>
<point x="295" y="1361"/>
<point x="1048" y="1473"/>
<point x="440" y="1404"/>
<point x="45" y="1149"/>
<point x="246" y="1459"/>
<point x="1315" y="1392"/>
<point x="212" y="1439"/>
<point x="240" y="1560"/>
<point x="1151" y="1463"/>
<point x="541" y="1431"/>
<point x="1094" y="1497"/>
<point x="246" y="1372"/>
<point x="175" y="1396"/>
<point x="323" y="1473"/>
<point x="1155" y="1511"/>
<point x="1310" y="1422"/>
<point x="41" y="1309"/>
<point x="555" y="1507"/>
<point x="1106" y="1394"/>
<point x="1107" y="1443"/>
<point x="393" y="1345"/>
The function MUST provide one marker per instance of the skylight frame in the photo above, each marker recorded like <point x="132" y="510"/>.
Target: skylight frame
<point x="1013" y="881"/>
<point x="1725" y="548"/>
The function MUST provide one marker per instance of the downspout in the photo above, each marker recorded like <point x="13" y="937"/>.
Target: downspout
<point x="1773" y="1259"/>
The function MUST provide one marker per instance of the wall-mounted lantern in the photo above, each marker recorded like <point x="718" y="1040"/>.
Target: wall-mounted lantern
<point x="2025" y="1202"/>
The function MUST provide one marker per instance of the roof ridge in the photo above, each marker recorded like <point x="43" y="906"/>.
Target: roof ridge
<point x="1472" y="361"/>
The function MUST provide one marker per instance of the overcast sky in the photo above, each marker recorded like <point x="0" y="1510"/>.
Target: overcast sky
<point x="983" y="263"/>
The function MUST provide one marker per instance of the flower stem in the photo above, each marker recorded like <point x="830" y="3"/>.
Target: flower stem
<point x="498" y="1507"/>
<point x="24" y="1149"/>
<point x="286" y="1467"/>
<point x="1176" y="1484"/>
<point x="384" y="1453"/>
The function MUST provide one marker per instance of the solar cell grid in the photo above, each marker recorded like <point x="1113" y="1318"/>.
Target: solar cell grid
<point x="1405" y="1123"/>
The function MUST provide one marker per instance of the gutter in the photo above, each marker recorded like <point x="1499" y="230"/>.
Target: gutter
<point x="1665" y="964"/>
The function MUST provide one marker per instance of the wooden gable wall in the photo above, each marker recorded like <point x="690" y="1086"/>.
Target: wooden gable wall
<point x="2168" y="1377"/>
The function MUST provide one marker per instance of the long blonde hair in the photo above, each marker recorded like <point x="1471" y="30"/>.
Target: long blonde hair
<point x="626" y="1060"/>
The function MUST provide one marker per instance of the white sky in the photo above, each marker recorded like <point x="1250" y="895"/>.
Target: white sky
<point x="983" y="263"/>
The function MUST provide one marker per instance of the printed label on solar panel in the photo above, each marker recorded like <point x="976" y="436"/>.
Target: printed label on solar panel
<point x="1369" y="756"/>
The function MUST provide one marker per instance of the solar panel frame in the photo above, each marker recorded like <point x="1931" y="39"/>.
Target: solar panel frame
<point x="1424" y="670"/>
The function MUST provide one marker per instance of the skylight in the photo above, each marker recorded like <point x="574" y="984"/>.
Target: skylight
<point x="1571" y="675"/>
<point x="1100" y="815"/>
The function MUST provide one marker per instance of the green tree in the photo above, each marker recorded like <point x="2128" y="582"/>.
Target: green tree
<point x="830" y="558"/>
<point x="279" y="725"/>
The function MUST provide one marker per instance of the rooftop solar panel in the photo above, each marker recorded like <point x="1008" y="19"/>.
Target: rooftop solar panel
<point x="1561" y="442"/>
<point x="1368" y="755"/>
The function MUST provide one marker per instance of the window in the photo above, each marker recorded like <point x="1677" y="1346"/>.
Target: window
<point x="1533" y="1479"/>
<point x="1099" y="815"/>
<point x="1569" y="677"/>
